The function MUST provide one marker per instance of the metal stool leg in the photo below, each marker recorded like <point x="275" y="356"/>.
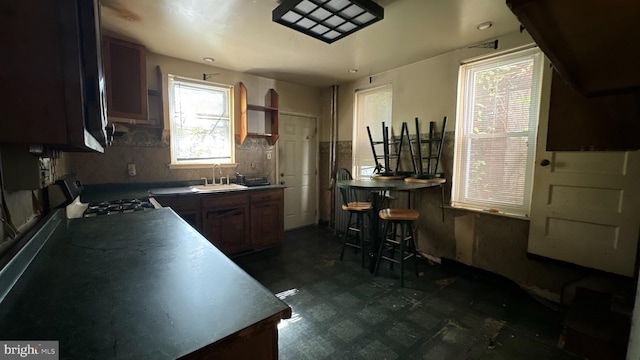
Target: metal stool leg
<point x="414" y="249"/>
<point x="381" y="248"/>
<point x="345" y="236"/>
<point x="402" y="248"/>
<point x="361" y="237"/>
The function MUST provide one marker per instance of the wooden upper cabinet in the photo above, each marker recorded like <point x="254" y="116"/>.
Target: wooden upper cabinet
<point x="51" y="73"/>
<point x="125" y="67"/>
<point x="258" y="120"/>
<point x="601" y="123"/>
<point x="592" y="44"/>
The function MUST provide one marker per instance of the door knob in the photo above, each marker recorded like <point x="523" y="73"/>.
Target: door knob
<point x="545" y="162"/>
<point x="281" y="174"/>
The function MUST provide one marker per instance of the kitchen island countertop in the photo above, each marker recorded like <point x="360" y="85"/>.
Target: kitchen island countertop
<point x="138" y="285"/>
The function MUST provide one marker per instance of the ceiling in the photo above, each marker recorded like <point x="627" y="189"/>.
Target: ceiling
<point x="240" y="35"/>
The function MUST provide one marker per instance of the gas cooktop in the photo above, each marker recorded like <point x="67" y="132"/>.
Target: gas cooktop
<point x="66" y="193"/>
<point x="118" y="206"/>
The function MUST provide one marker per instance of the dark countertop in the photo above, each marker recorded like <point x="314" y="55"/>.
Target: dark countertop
<point x="139" y="285"/>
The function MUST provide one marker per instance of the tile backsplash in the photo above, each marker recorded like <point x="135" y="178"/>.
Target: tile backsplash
<point x="151" y="156"/>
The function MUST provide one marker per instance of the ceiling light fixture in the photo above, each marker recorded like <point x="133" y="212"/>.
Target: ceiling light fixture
<point x="327" y="20"/>
<point x="208" y="59"/>
<point x="353" y="71"/>
<point x="484" y="26"/>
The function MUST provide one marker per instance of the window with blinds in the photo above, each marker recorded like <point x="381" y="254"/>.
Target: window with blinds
<point x="201" y="124"/>
<point x="498" y="105"/>
<point x="372" y="107"/>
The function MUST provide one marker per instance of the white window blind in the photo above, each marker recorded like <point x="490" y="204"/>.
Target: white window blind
<point x="372" y="107"/>
<point x="498" y="105"/>
<point x="201" y="124"/>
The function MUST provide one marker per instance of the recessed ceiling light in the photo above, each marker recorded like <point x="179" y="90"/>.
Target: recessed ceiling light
<point x="353" y="71"/>
<point x="484" y="26"/>
<point x="208" y="59"/>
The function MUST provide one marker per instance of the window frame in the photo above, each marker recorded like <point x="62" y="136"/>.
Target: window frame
<point x="228" y="90"/>
<point x="464" y="133"/>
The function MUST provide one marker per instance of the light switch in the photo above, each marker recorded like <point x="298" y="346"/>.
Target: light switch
<point x="131" y="169"/>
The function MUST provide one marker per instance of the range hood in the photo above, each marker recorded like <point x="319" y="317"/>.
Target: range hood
<point x="593" y="44"/>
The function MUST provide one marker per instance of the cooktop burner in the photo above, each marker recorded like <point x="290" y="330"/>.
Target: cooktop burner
<point x="118" y="206"/>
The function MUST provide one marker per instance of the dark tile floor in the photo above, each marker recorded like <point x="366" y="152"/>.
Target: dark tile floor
<point x="340" y="311"/>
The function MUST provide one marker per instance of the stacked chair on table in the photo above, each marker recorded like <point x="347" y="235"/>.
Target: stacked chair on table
<point x="355" y="203"/>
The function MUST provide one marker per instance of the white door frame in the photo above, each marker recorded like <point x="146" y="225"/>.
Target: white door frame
<point x="317" y="161"/>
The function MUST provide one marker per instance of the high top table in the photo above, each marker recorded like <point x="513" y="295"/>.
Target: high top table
<point x="375" y="185"/>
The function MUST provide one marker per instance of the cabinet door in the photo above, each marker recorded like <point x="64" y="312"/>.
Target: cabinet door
<point x="228" y="229"/>
<point x="225" y="221"/>
<point x="125" y="68"/>
<point x="267" y="218"/>
<point x="600" y="123"/>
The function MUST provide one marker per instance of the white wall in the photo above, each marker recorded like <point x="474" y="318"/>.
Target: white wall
<point x="294" y="98"/>
<point x="426" y="89"/>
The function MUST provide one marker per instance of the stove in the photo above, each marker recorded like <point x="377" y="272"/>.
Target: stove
<point x="119" y="206"/>
<point x="66" y="193"/>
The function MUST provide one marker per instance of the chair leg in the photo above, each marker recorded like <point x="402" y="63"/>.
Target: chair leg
<point x="394" y="237"/>
<point x="361" y="236"/>
<point x="345" y="236"/>
<point x="381" y="248"/>
<point x="414" y="250"/>
<point x="402" y="250"/>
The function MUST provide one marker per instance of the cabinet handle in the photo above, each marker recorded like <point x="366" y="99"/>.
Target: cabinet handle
<point x="281" y="182"/>
<point x="545" y="162"/>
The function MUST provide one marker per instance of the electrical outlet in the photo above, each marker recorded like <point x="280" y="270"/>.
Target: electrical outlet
<point x="268" y="155"/>
<point x="131" y="169"/>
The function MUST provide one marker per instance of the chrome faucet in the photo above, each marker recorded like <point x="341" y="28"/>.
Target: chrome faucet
<point x="213" y="178"/>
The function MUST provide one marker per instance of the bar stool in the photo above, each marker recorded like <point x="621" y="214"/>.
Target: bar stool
<point x="351" y="203"/>
<point x="404" y="245"/>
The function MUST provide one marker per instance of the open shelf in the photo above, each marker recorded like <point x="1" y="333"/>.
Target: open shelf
<point x="268" y="117"/>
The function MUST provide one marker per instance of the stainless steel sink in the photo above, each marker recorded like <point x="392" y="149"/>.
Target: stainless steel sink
<point x="216" y="188"/>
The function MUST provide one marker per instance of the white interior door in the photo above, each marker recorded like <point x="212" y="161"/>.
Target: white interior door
<point x="297" y="166"/>
<point x="586" y="207"/>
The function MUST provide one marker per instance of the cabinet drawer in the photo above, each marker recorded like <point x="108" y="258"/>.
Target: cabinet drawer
<point x="221" y="201"/>
<point x="266" y="195"/>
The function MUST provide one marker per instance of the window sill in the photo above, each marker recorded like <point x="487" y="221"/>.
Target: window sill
<point x="488" y="212"/>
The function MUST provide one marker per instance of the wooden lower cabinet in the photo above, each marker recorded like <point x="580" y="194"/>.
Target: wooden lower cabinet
<point x="225" y="221"/>
<point x="257" y="341"/>
<point x="186" y="206"/>
<point x="267" y="218"/>
<point x="234" y="222"/>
